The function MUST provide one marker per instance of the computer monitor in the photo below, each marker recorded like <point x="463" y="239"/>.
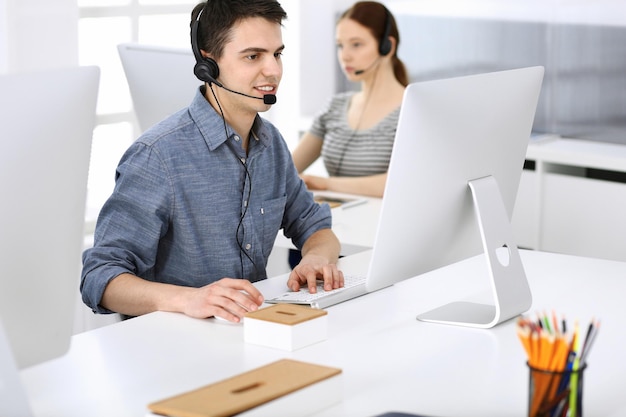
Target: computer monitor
<point x="46" y="122"/>
<point x="160" y="79"/>
<point x="452" y="182"/>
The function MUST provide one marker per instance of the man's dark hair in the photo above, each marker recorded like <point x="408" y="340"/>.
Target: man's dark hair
<point x="219" y="16"/>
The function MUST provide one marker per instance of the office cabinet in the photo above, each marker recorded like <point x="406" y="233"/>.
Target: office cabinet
<point x="572" y="199"/>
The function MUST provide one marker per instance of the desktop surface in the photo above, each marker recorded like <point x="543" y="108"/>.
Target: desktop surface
<point x="390" y="361"/>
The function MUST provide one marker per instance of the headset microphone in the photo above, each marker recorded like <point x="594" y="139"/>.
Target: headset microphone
<point x="361" y="71"/>
<point x="267" y="98"/>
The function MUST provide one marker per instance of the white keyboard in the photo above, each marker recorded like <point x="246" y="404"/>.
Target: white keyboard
<point x="305" y="297"/>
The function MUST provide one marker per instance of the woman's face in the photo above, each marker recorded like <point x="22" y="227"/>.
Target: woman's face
<point x="357" y="49"/>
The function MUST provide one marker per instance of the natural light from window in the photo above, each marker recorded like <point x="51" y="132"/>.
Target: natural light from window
<point x="103" y="25"/>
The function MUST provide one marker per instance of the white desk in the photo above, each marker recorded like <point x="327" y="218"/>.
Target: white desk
<point x="355" y="226"/>
<point x="390" y="361"/>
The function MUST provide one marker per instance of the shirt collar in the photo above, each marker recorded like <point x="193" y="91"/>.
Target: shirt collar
<point x="211" y="124"/>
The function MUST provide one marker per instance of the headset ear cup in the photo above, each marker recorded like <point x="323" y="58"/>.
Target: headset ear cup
<point x="201" y="71"/>
<point x="207" y="70"/>
<point x="385" y="46"/>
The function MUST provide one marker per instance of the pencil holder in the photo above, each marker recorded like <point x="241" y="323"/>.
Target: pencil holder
<point x="555" y="393"/>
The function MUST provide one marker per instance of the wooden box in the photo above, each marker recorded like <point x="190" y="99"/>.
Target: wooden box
<point x="285" y="326"/>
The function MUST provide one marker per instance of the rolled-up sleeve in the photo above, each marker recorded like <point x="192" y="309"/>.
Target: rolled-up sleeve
<point x="130" y="224"/>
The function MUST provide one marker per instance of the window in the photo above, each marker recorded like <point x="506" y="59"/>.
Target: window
<point x="103" y="24"/>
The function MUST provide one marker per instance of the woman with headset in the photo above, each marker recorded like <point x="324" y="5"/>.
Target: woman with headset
<point x="354" y="134"/>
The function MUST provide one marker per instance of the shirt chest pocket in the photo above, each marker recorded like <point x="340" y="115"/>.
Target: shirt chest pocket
<point x="271" y="214"/>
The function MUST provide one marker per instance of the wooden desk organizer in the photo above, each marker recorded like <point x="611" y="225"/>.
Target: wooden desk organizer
<point x="282" y="388"/>
<point x="285" y="326"/>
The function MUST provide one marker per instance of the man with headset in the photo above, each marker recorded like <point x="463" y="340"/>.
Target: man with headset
<point x="200" y="197"/>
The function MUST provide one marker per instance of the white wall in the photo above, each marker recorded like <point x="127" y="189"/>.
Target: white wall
<point x="318" y="60"/>
<point x="4" y="23"/>
<point x="607" y="12"/>
<point x="38" y="34"/>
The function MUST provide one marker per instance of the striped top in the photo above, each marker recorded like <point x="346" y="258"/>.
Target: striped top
<point x="353" y="153"/>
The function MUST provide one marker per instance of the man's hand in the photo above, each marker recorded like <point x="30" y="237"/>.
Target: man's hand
<point x="313" y="268"/>
<point x="228" y="298"/>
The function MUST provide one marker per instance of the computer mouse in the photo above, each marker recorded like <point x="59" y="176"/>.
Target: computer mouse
<point x="223" y="320"/>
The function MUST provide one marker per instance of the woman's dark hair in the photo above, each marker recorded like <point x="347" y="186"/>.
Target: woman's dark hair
<point x="375" y="16"/>
<point x="219" y="16"/>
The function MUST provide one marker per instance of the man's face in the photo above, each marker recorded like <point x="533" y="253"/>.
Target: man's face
<point x="252" y="63"/>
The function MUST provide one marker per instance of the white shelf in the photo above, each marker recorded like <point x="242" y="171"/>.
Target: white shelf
<point x="579" y="153"/>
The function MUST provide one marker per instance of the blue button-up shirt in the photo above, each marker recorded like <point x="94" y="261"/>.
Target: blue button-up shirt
<point x="190" y="207"/>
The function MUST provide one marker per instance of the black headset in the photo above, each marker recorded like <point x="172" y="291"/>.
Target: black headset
<point x="384" y="46"/>
<point x="206" y="69"/>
